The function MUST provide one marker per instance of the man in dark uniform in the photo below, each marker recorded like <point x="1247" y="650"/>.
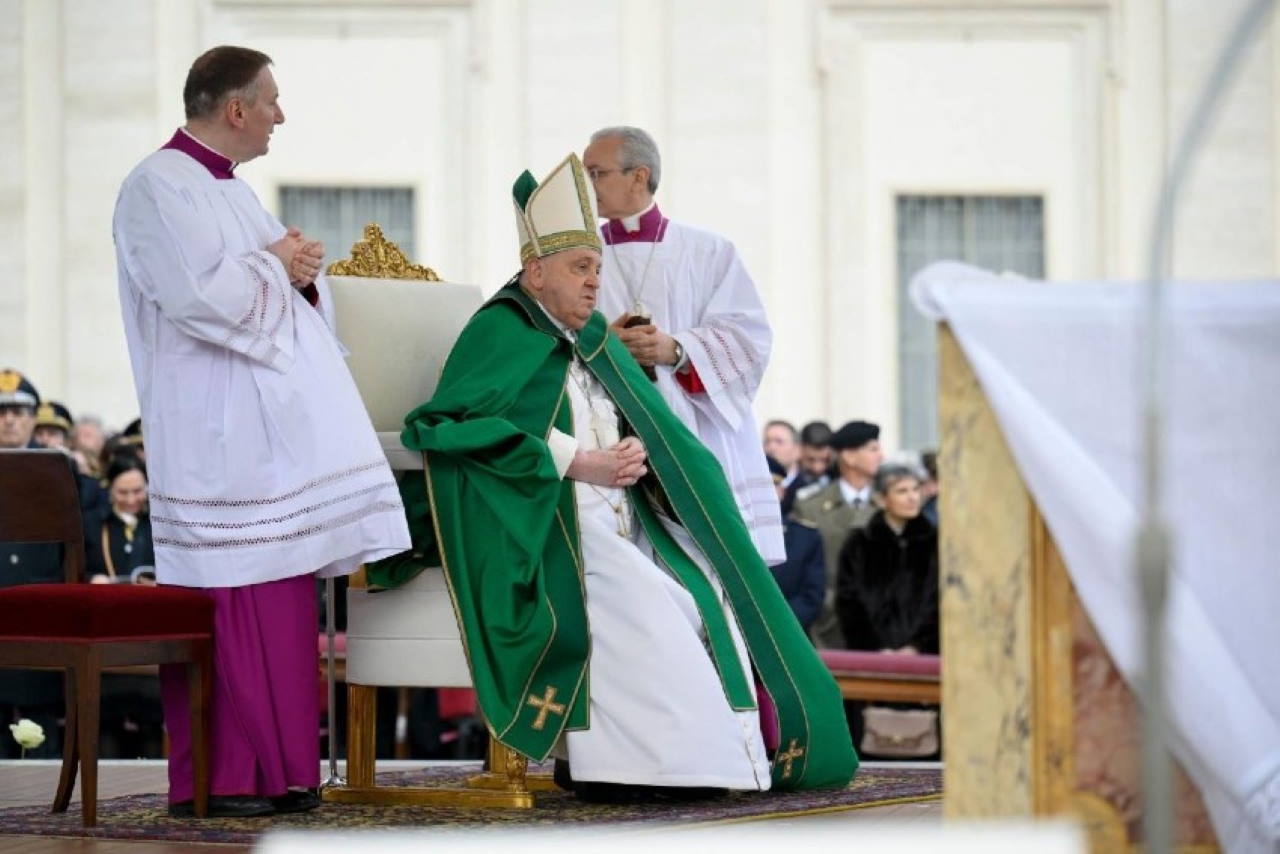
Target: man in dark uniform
<point x="26" y="694"/>
<point x="839" y="507"/>
<point x="802" y="577"/>
<point x="53" y="425"/>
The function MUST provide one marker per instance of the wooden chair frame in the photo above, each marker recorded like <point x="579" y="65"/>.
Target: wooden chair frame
<point x="40" y="504"/>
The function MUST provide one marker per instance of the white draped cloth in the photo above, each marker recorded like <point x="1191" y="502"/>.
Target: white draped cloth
<point x="263" y="463"/>
<point x="698" y="291"/>
<point x="658" y="712"/>
<point x="1060" y="365"/>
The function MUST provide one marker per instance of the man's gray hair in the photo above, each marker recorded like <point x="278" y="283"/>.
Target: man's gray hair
<point x="637" y="149"/>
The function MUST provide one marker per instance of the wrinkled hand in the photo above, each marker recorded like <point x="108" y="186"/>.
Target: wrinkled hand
<point x="648" y="344"/>
<point x="620" y="465"/>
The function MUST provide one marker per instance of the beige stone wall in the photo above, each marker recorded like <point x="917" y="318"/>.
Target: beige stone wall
<point x="787" y="125"/>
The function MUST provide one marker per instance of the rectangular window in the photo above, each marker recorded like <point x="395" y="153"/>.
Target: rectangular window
<point x="337" y="215"/>
<point x="999" y="233"/>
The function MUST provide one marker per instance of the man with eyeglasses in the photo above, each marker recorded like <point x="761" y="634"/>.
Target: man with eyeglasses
<point x="685" y="306"/>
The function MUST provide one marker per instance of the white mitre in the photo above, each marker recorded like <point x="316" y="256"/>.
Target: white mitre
<point x="558" y="214"/>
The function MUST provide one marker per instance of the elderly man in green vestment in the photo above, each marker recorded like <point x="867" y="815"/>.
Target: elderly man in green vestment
<point x="613" y="607"/>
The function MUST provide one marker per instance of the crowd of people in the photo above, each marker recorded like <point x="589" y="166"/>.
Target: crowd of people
<point x="858" y="528"/>
<point x="862" y="544"/>
<point x="111" y="476"/>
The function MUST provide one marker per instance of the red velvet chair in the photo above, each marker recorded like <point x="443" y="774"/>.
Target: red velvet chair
<point x="84" y="628"/>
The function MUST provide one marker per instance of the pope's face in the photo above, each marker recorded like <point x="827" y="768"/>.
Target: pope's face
<point x="259" y="119"/>
<point x="566" y="284"/>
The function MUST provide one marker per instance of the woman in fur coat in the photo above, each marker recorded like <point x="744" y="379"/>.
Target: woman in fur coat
<point x="887" y="583"/>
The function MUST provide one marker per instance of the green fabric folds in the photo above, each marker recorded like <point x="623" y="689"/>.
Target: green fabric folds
<point x="507" y="527"/>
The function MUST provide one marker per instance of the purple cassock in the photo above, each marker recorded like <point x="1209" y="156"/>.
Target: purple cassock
<point x="265" y="708"/>
<point x="265" y="712"/>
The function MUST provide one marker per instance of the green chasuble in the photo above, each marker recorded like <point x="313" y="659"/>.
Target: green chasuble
<point x="494" y="513"/>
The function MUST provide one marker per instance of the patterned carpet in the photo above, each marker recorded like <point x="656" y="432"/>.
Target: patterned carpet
<point x="145" y="816"/>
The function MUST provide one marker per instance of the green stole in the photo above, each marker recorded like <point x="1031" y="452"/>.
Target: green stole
<point x="511" y="553"/>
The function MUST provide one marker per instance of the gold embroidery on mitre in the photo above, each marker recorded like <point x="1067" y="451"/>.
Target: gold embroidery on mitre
<point x="788" y="756"/>
<point x="375" y="257"/>
<point x="545" y="705"/>
<point x="560" y="241"/>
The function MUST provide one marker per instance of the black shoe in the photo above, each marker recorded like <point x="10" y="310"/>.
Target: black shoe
<point x="561" y="776"/>
<point x="686" y="794"/>
<point x="225" y="806"/>
<point x="628" y="793"/>
<point x="612" y="793"/>
<point x="296" y="800"/>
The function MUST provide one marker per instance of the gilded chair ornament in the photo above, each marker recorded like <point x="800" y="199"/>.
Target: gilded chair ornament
<point x="375" y="257"/>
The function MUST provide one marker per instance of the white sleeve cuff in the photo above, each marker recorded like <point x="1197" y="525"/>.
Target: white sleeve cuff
<point x="563" y="448"/>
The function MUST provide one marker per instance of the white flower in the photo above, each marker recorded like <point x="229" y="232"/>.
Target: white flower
<point x="27" y="733"/>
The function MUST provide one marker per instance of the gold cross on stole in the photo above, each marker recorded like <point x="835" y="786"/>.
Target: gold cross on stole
<point x="788" y="756"/>
<point x="546" y="704"/>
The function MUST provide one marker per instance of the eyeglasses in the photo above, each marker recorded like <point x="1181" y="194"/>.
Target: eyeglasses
<point x="597" y="174"/>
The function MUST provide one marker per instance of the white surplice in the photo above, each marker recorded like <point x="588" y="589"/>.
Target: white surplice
<point x="263" y="463"/>
<point x="658" y="713"/>
<point x="698" y="291"/>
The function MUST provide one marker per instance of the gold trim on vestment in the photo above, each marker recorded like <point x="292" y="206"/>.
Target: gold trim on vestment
<point x="764" y="623"/>
<point x="579" y="562"/>
<point x="578" y="558"/>
<point x="448" y="581"/>
<point x="555" y="627"/>
<point x="546" y="705"/>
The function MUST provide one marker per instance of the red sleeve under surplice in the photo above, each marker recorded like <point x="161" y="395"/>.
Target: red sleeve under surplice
<point x="690" y="381"/>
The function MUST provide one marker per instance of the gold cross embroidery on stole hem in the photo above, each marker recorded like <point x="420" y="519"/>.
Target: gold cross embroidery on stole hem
<point x="546" y="704"/>
<point x="788" y="756"/>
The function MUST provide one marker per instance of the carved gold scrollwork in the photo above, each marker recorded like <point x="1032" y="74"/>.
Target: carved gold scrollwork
<point x="375" y="257"/>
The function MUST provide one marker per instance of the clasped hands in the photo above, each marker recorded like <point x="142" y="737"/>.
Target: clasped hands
<point x="302" y="258"/>
<point x="648" y="344"/>
<point x="616" y="466"/>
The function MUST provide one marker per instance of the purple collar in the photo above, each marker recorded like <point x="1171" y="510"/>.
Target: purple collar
<point x="218" y="166"/>
<point x="653" y="227"/>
